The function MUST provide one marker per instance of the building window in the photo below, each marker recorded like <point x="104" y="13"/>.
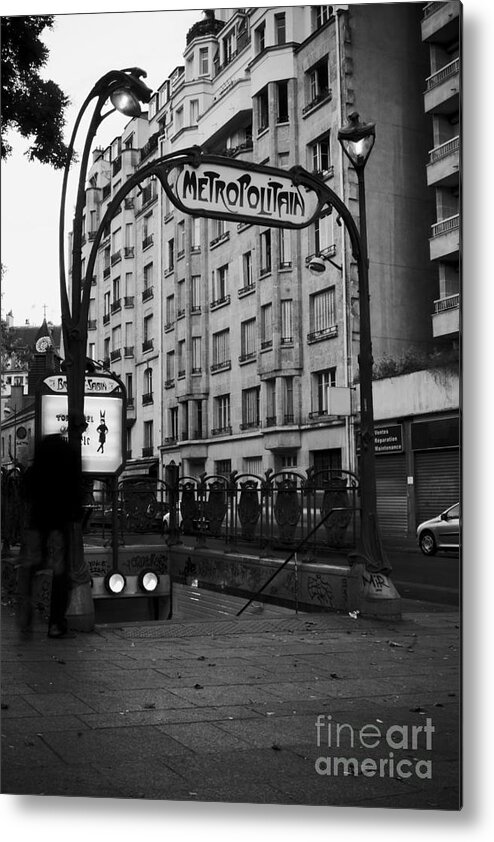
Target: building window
<point x="288" y="400"/>
<point x="262" y="110"/>
<point x="203" y="61"/>
<point x="320" y="15"/>
<point x="181" y="358"/>
<point x="116" y="338"/>
<point x="180" y="238"/>
<point x="148" y="333"/>
<point x="148" y="276"/>
<point x="147" y="387"/>
<point x="319" y="155"/>
<point x="286" y="321"/>
<point x="171" y="254"/>
<point x="248" y="339"/>
<point x="267" y="326"/>
<point x="170" y="310"/>
<point x="285" y="248"/>
<point x="266" y="252"/>
<point x="280" y="28"/>
<point x="148" y="437"/>
<point x="129" y="386"/>
<point x="323" y="233"/>
<point x="228" y="47"/>
<point x="196" y="354"/>
<point x="116" y="290"/>
<point x="220" y="283"/>
<point x="270" y="402"/>
<point x="222" y="413"/>
<point x="106" y="305"/>
<point x="223" y="467"/>
<point x="322" y="311"/>
<point x="170" y="366"/>
<point x="318" y="83"/>
<point x="247" y="269"/>
<point x="181" y="298"/>
<point x="174" y="422"/>
<point x="196" y="233"/>
<point x="323" y="382"/>
<point x="250" y="407"/>
<point x="194" y="111"/>
<point x="282" y="102"/>
<point x="221" y="348"/>
<point x="195" y="293"/>
<point x="260" y="38"/>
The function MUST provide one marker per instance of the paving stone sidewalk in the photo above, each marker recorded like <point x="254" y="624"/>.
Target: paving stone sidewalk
<point x="227" y="711"/>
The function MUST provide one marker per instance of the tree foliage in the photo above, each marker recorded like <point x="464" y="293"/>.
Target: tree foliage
<point x="31" y="105"/>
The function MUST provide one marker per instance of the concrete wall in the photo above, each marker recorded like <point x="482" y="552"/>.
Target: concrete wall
<point x="417" y="393"/>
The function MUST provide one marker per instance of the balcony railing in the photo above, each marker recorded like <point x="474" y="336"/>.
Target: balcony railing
<point x="147" y="345"/>
<point x="106" y="319"/>
<point x="270" y="421"/>
<point x="250" y="425"/>
<point x="147" y="241"/>
<point x="446" y="225"/>
<point x="323" y="333"/>
<point x="147" y="398"/>
<point x="266" y="343"/>
<point x="221" y="431"/>
<point x="169" y="383"/>
<point x="220" y="302"/>
<point x="129" y="203"/>
<point x="246" y="290"/>
<point x="322" y="96"/>
<point x="129" y="301"/>
<point x="116" y="354"/>
<point x="444" y="73"/>
<point x="116" y="305"/>
<point x="129" y="251"/>
<point x="248" y="357"/>
<point x="91" y="325"/>
<point x="445" y="149"/>
<point x="147" y="451"/>
<point x="129" y="351"/>
<point x="450" y="302"/>
<point x="106" y="271"/>
<point x="222" y="366"/>
<point x="147" y="293"/>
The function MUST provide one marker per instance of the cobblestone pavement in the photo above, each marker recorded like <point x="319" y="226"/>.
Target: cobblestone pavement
<point x="250" y="709"/>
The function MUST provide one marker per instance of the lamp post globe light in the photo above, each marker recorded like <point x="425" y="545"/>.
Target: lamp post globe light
<point x="125" y="90"/>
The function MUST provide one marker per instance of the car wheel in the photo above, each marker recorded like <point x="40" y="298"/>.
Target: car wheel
<point x="427" y="543"/>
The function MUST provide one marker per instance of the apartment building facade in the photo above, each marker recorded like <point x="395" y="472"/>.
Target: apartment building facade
<point x="234" y="356"/>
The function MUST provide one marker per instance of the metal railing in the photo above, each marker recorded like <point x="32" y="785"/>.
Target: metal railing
<point x="449" y="302"/>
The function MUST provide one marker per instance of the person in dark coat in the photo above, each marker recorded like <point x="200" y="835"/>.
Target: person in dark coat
<point x="53" y="497"/>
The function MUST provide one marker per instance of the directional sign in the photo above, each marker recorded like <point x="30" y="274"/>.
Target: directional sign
<point x="244" y="192"/>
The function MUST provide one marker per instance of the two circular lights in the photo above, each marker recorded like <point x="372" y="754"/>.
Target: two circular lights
<point x="115" y="582"/>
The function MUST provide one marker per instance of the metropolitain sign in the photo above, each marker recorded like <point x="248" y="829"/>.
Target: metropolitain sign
<point x="244" y="192"/>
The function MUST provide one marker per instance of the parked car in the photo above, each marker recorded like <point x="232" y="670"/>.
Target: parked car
<point x="441" y="532"/>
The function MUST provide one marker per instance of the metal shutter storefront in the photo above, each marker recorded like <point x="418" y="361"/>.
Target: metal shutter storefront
<point x="437" y="482"/>
<point x="391" y="487"/>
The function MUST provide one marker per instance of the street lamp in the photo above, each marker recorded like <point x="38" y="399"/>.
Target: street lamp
<point x="126" y="90"/>
<point x="357" y="140"/>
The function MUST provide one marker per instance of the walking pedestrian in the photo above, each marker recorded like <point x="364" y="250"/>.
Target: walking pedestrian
<point x="53" y="497"/>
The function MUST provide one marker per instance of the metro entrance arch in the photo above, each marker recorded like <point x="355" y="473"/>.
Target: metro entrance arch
<point x="212" y="186"/>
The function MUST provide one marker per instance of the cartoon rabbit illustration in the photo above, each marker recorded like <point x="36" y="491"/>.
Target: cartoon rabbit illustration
<point x="102" y="429"/>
